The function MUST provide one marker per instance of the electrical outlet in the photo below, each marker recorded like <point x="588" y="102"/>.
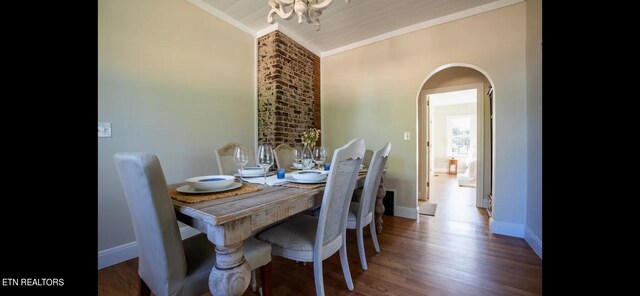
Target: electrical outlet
<point x="104" y="130"/>
<point x="407" y="136"/>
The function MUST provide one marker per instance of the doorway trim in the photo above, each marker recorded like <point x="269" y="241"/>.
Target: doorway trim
<point x="421" y="94"/>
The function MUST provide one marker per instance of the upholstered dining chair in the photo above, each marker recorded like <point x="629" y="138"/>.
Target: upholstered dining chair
<point x="168" y="265"/>
<point x="361" y="213"/>
<point x="313" y="239"/>
<point x="284" y="156"/>
<point x="224" y="157"/>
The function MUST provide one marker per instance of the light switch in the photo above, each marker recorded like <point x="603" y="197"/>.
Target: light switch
<point x="407" y="136"/>
<point x="104" y="130"/>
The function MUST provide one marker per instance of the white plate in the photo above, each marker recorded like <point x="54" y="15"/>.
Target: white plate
<point x="188" y="189"/>
<point x="292" y="180"/>
<point x="255" y="176"/>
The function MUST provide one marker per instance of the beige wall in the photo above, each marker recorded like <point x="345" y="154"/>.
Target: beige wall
<point x="534" y="125"/>
<point x="371" y="92"/>
<point x="453" y="77"/>
<point x="174" y="81"/>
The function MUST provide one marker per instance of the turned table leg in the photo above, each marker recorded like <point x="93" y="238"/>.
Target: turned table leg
<point x="379" y="205"/>
<point x="231" y="274"/>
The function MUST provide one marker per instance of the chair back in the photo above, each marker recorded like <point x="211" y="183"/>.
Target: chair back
<point x="372" y="182"/>
<point x="341" y="181"/>
<point x="224" y="157"/>
<point x="284" y="156"/>
<point x="162" y="263"/>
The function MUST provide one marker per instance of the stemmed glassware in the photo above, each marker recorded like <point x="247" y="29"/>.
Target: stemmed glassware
<point x="265" y="159"/>
<point x="297" y="156"/>
<point x="240" y="158"/>
<point x="319" y="155"/>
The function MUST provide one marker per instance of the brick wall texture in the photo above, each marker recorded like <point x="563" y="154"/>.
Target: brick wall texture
<point x="288" y="90"/>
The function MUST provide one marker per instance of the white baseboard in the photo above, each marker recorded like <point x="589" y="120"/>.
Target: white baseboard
<point x="506" y="228"/>
<point x="405" y="212"/>
<point x="128" y="251"/>
<point x="534" y="241"/>
<point x="117" y="254"/>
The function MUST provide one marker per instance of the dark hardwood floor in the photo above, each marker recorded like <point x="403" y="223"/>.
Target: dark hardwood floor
<point x="452" y="253"/>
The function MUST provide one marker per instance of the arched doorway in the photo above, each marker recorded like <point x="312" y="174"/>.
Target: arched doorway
<point x="456" y="78"/>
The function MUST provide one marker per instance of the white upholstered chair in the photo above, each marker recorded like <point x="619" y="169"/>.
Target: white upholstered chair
<point x="314" y="239"/>
<point x="224" y="157"/>
<point x="284" y="156"/>
<point x="168" y="265"/>
<point x="361" y="213"/>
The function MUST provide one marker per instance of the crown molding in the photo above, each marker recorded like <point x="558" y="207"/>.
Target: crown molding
<point x="267" y="30"/>
<point x="297" y="39"/>
<point x="223" y="16"/>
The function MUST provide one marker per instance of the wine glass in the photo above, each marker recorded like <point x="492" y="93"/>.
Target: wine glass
<point x="265" y="159"/>
<point x="319" y="155"/>
<point x="297" y="155"/>
<point x="240" y="158"/>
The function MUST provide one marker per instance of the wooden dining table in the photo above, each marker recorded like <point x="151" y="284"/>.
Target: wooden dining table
<point x="228" y="221"/>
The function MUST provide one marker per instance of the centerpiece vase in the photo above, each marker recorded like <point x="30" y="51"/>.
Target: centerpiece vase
<point x="307" y="156"/>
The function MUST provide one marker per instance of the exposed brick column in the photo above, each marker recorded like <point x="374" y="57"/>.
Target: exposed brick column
<point x="288" y="90"/>
<point x="316" y="94"/>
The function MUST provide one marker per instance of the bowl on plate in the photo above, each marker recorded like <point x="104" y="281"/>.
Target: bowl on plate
<point x="299" y="166"/>
<point x="251" y="171"/>
<point x="308" y="176"/>
<point x="211" y="182"/>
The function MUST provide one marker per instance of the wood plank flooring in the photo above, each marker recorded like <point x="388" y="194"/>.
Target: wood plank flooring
<point x="452" y="253"/>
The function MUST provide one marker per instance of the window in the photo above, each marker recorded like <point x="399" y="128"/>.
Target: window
<point x="461" y="133"/>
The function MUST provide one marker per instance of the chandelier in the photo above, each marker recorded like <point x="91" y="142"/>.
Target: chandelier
<point x="309" y="9"/>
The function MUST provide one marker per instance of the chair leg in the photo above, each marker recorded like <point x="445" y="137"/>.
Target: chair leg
<point x="374" y="236"/>
<point x="254" y="284"/>
<point x="265" y="276"/>
<point x="345" y="265"/>
<point x="360" y="239"/>
<point x="144" y="289"/>
<point x="317" y="275"/>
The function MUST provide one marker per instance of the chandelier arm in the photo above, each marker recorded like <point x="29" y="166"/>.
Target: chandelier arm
<point x="283" y="15"/>
<point x="310" y="15"/>
<point x="314" y="17"/>
<point x="320" y="6"/>
<point x="279" y="10"/>
<point x="286" y="2"/>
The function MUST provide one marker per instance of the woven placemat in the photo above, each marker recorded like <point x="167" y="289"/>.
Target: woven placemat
<point x="198" y="197"/>
<point x="304" y="186"/>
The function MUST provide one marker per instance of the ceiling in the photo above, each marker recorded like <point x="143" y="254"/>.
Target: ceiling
<point x="344" y="24"/>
